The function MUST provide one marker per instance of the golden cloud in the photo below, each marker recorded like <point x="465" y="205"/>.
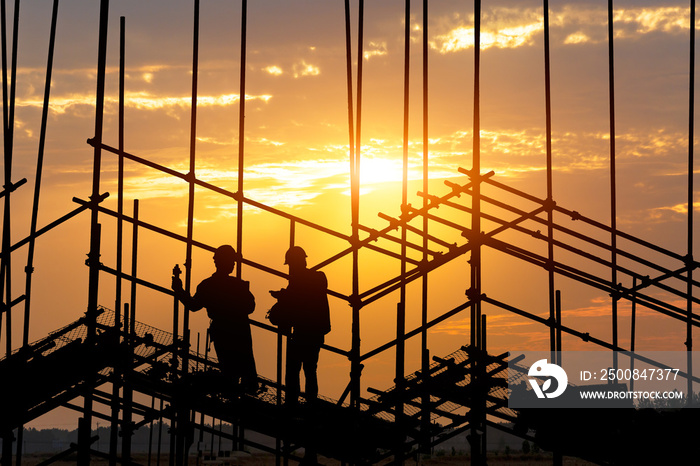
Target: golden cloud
<point x="139" y="100"/>
<point x="501" y="28"/>
<point x="375" y="49"/>
<point x="273" y="70"/>
<point x="303" y="69"/>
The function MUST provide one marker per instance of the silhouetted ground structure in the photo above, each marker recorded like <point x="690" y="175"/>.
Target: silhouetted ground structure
<point x="121" y="360"/>
<point x="48" y="378"/>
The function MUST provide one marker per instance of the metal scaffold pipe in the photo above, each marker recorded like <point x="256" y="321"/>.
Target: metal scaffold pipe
<point x="691" y="203"/>
<point x="613" y="174"/>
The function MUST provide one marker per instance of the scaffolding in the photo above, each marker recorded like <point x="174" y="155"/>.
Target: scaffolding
<point x="464" y="391"/>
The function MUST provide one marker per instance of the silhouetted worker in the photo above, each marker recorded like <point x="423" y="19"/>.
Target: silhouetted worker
<point x="306" y="302"/>
<point x="228" y="301"/>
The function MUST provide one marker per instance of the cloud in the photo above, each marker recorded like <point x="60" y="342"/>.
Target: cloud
<point x="375" y="49"/>
<point x="303" y="69"/>
<point x="513" y="28"/>
<point x="273" y="70"/>
<point x="462" y="38"/>
<point x="646" y="20"/>
<point x="681" y="208"/>
<point x="142" y="100"/>
<point x="577" y="38"/>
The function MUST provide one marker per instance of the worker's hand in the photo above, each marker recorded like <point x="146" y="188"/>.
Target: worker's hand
<point x="277" y="294"/>
<point x="176" y="284"/>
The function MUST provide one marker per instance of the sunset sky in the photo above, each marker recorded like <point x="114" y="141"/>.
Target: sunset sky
<point x="296" y="150"/>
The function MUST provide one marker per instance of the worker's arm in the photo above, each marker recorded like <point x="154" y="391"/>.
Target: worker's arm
<point x="190" y="302"/>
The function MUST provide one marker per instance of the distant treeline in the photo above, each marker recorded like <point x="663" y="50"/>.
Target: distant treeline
<point x="58" y="440"/>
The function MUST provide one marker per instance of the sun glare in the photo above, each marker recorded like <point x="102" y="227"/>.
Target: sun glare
<point x="380" y="170"/>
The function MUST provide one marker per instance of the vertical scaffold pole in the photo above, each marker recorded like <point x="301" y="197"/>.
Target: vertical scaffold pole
<point x="558" y="319"/>
<point x="354" y="352"/>
<point x="182" y="410"/>
<point x="401" y="308"/>
<point x="550" y="195"/>
<point x="94" y="255"/>
<point x="613" y="182"/>
<point x="476" y="427"/>
<point x="241" y="160"/>
<point x="476" y="192"/>
<point x="356" y="368"/>
<point x="425" y="355"/>
<point x="282" y="442"/>
<point x="5" y="242"/>
<point x="150" y="432"/>
<point x="117" y="374"/>
<point x="557" y="457"/>
<point x="191" y="182"/>
<point x="8" y="140"/>
<point x="127" y="432"/>
<point x="633" y="327"/>
<point x="689" y="257"/>
<point x="241" y="137"/>
<point x="174" y="366"/>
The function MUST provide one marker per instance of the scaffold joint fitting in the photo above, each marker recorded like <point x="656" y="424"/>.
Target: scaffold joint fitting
<point x="549" y="204"/>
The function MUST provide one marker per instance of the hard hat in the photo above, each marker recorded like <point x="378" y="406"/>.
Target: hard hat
<point x="293" y="254"/>
<point x="225" y="252"/>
